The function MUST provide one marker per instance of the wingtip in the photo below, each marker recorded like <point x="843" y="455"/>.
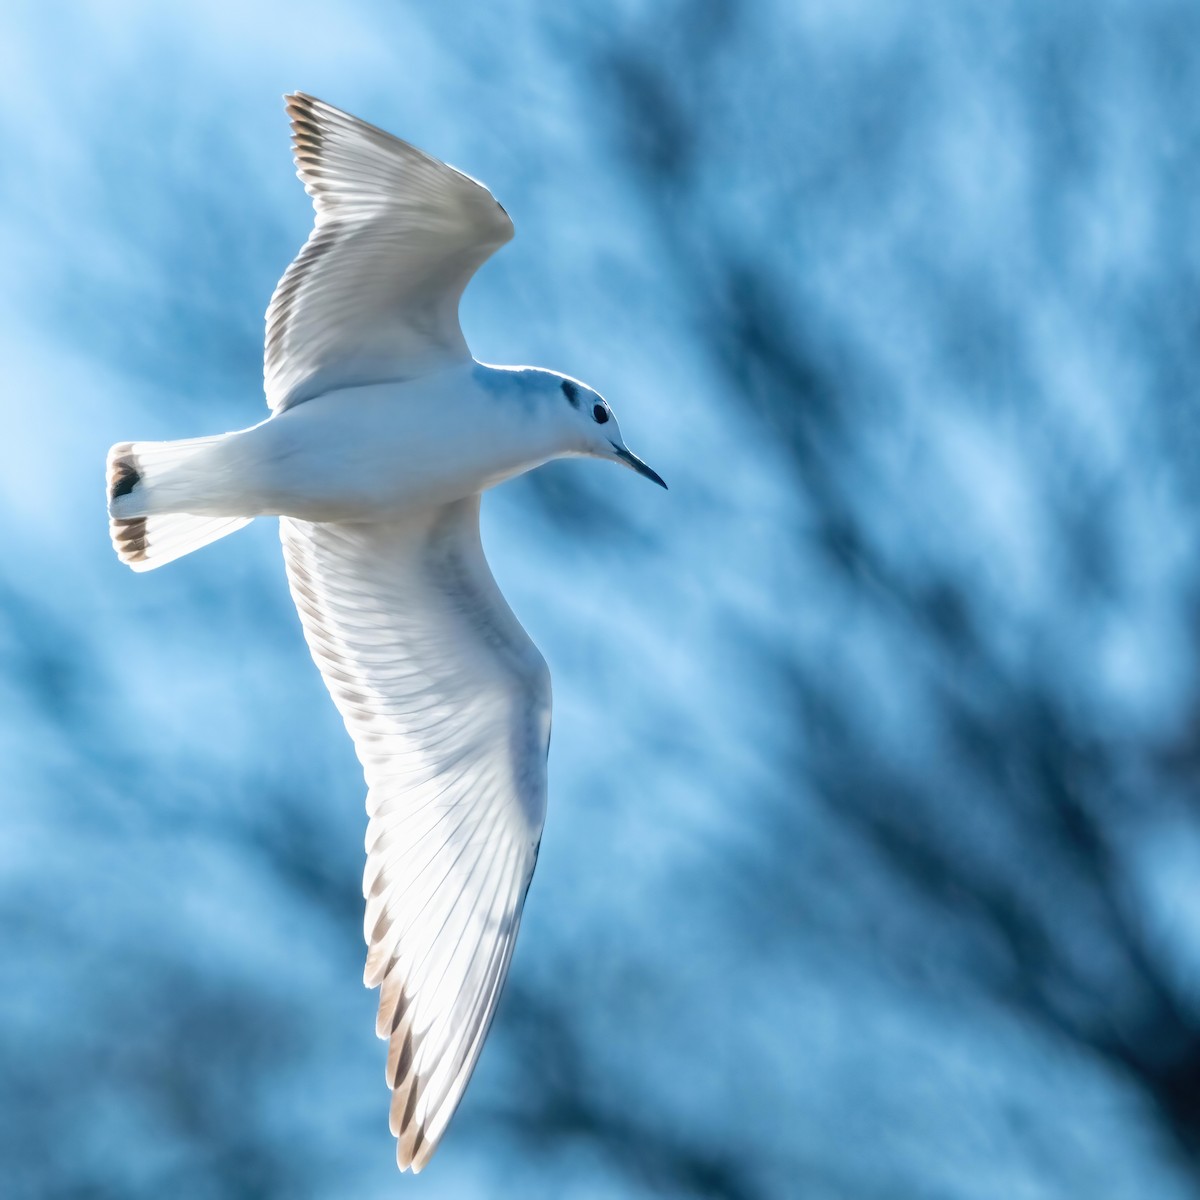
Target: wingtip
<point x="413" y="1151"/>
<point x="303" y="114"/>
<point x="300" y="107"/>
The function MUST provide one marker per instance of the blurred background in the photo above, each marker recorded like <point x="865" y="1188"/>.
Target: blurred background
<point x="872" y="868"/>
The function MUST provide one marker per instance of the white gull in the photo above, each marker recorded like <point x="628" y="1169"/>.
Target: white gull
<point x="383" y="433"/>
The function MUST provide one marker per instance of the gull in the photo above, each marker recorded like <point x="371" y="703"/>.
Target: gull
<point x="383" y="433"/>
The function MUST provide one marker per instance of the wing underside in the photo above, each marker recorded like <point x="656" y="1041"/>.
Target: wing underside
<point x="373" y="295"/>
<point x="448" y="703"/>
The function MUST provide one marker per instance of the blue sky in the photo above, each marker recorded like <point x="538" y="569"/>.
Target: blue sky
<point x="870" y="862"/>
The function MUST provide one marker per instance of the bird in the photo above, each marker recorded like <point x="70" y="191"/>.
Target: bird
<point x="383" y="433"/>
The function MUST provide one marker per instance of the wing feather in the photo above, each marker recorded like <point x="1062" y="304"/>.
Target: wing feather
<point x="448" y="702"/>
<point x="373" y="295"/>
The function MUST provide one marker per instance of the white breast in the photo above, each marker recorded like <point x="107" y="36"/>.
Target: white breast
<point x="374" y="452"/>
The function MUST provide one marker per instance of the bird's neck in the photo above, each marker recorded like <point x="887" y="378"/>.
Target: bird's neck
<point x="527" y="412"/>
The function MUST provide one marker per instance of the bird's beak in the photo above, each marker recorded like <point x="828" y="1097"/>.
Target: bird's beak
<point x="632" y="461"/>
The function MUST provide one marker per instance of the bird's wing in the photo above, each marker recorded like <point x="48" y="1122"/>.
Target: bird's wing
<point x="448" y="703"/>
<point x="373" y="295"/>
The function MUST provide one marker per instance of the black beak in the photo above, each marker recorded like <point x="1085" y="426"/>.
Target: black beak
<point x="631" y="460"/>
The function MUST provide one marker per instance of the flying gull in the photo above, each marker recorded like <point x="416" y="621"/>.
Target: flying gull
<point x="383" y="433"/>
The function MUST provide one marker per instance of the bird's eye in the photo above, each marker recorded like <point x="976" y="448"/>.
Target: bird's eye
<point x="600" y="414"/>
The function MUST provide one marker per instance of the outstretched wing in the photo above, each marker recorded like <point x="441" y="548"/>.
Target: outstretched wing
<point x="373" y="295"/>
<point x="448" y="703"/>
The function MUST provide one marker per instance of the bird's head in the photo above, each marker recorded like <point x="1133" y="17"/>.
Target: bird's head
<point x="596" y="427"/>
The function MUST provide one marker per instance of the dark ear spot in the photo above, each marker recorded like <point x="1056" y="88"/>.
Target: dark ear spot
<point x="571" y="392"/>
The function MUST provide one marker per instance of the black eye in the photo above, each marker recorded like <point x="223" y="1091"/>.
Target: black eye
<point x="600" y="414"/>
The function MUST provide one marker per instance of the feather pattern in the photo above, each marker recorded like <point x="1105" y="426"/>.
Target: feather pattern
<point x="448" y="703"/>
<point x="373" y="295"/>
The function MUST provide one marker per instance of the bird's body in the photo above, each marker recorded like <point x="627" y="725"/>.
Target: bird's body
<point x="377" y="451"/>
<point x="383" y="433"/>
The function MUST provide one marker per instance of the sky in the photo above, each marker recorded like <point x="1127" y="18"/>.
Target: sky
<point x="871" y="857"/>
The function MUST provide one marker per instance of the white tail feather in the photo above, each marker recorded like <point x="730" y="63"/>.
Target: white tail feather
<point x="145" y="476"/>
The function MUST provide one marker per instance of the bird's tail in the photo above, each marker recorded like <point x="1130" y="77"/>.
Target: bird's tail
<point x="149" y="488"/>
